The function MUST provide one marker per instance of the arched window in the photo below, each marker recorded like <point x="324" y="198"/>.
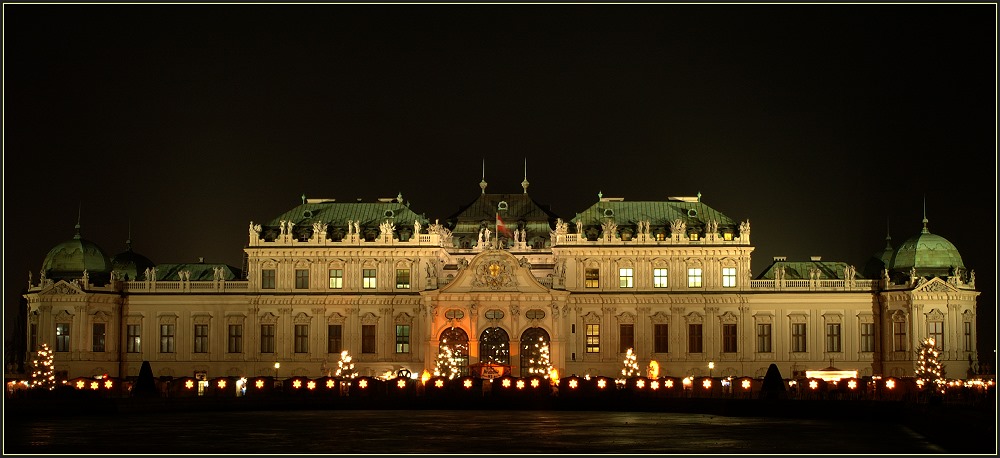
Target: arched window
<point x="494" y="346"/>
<point x="458" y="341"/>
<point x="535" y="352"/>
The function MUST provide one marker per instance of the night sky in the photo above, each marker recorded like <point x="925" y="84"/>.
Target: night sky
<point x="826" y="126"/>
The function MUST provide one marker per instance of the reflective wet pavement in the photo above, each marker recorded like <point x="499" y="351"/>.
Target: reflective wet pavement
<point x="454" y="432"/>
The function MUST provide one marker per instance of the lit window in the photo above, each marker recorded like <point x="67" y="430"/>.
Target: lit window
<point x="727" y="235"/>
<point x="728" y="277"/>
<point x="403" y="278"/>
<point x="625" y="277"/>
<point x="402" y="338"/>
<point x="62" y="337"/>
<point x="301" y="278"/>
<point x="593" y="278"/>
<point x="694" y="278"/>
<point x="968" y="335"/>
<point x="166" y="338"/>
<point x="99" y="336"/>
<point x="764" y="338"/>
<point x="267" y="279"/>
<point x="660" y="278"/>
<point x="798" y="337"/>
<point x="336" y="279"/>
<point x="833" y="337"/>
<point x="368" y="277"/>
<point x="694" y="338"/>
<point x="693" y="236"/>
<point x="593" y="338"/>
<point x="133" y="338"/>
<point x="935" y="330"/>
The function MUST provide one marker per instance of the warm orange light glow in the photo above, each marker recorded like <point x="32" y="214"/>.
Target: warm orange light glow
<point x="654" y="385"/>
<point x="311" y="385"/>
<point x="520" y="384"/>
<point x="573" y="384"/>
<point x="259" y="384"/>
<point x="108" y="384"/>
<point x="669" y="383"/>
<point x="654" y="369"/>
<point x="80" y="384"/>
<point x="222" y="383"/>
<point x="852" y="384"/>
<point x="363" y="383"/>
<point x="602" y="383"/>
<point x="640" y="384"/>
<point x="94" y="385"/>
<point x="707" y="383"/>
<point x="401" y="383"/>
<point x="425" y="377"/>
<point x="746" y="384"/>
<point x="330" y="384"/>
<point x="890" y="384"/>
<point x="439" y="383"/>
<point x="534" y="383"/>
<point x="554" y="375"/>
<point x="813" y="384"/>
<point x="467" y="383"/>
<point x="506" y="383"/>
<point x="687" y="381"/>
<point x="189" y="384"/>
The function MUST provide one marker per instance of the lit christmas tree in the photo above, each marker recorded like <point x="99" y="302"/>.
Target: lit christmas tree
<point x="630" y="368"/>
<point x="446" y="364"/>
<point x="345" y="368"/>
<point x="929" y="368"/>
<point x="42" y="374"/>
<point x="542" y="366"/>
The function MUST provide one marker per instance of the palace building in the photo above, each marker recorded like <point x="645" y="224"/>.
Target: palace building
<point x="499" y="282"/>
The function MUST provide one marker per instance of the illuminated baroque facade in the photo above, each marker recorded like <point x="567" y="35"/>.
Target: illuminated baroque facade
<point x="670" y="279"/>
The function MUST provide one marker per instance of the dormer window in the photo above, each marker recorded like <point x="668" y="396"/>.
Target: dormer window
<point x="693" y="236"/>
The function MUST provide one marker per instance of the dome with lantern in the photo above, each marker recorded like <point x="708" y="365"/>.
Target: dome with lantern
<point x="70" y="259"/>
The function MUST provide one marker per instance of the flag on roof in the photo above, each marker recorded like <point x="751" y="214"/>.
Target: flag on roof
<point x="501" y="228"/>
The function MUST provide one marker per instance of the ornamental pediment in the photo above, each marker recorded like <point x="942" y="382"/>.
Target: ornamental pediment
<point x="495" y="270"/>
<point x="936" y="285"/>
<point x="61" y="287"/>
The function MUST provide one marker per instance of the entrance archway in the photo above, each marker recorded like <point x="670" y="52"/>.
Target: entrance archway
<point x="494" y="346"/>
<point x="535" y="352"/>
<point x="456" y="340"/>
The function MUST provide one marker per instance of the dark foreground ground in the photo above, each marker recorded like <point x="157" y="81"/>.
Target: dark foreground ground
<point x="358" y="425"/>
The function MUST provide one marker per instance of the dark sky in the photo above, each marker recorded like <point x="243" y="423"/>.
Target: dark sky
<point x="824" y="125"/>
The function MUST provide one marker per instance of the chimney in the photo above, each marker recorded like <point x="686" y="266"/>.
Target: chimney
<point x="780" y="258"/>
<point x="201" y="260"/>
<point x="815" y="258"/>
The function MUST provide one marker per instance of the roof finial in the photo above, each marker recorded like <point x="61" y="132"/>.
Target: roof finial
<point x="888" y="244"/>
<point x="79" y="214"/>
<point x="128" y="242"/>
<point x="600" y="195"/>
<point x="303" y="198"/>
<point x="399" y="197"/>
<point x="482" y="184"/>
<point x="699" y="196"/>
<point x="924" y="230"/>
<point x="524" y="184"/>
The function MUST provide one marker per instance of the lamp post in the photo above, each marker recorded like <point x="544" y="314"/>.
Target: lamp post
<point x="276" y="366"/>
<point x="711" y="365"/>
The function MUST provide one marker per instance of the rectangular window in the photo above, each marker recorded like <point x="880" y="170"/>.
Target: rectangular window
<point x="301" y="278"/>
<point x="201" y="338"/>
<point x="694" y="278"/>
<point x="593" y="278"/>
<point x="968" y="335"/>
<point x="833" y="337"/>
<point x="403" y="278"/>
<point x="593" y="338"/>
<point x="267" y="279"/>
<point x="235" y="338"/>
<point x="368" y="278"/>
<point x="728" y="277"/>
<point x="729" y="338"/>
<point x="798" y="337"/>
<point x="727" y="236"/>
<point x="336" y="279"/>
<point x="899" y="336"/>
<point x="625" y="277"/>
<point x="660" y="338"/>
<point x="99" y="335"/>
<point x="302" y="338"/>
<point x="659" y="278"/>
<point x="694" y="338"/>
<point x="693" y="236"/>
<point x="134" y="343"/>
<point x="764" y="338"/>
<point x="626" y="338"/>
<point x="402" y="338"/>
<point x="267" y="338"/>
<point x="166" y="338"/>
<point x="868" y="337"/>
<point x="935" y="330"/>
<point x="33" y="338"/>
<point x="334" y="338"/>
<point x="368" y="338"/>
<point x="62" y="337"/>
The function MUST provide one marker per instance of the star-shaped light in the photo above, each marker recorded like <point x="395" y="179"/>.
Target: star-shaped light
<point x="259" y="384"/>
<point x="297" y="384"/>
<point x="363" y="383"/>
<point x="602" y="383"/>
<point x="506" y="383"/>
<point x="746" y="384"/>
<point x="439" y="383"/>
<point x="189" y="384"/>
<point x="520" y="384"/>
<point x="401" y="383"/>
<point x="573" y="383"/>
<point x="222" y="383"/>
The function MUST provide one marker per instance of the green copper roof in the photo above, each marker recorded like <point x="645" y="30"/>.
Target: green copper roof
<point x="658" y="213"/>
<point x="930" y="254"/>
<point x="70" y="258"/>
<point x="199" y="271"/>
<point x="799" y="270"/>
<point x="336" y="214"/>
<point x="131" y="265"/>
<point x="522" y="211"/>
